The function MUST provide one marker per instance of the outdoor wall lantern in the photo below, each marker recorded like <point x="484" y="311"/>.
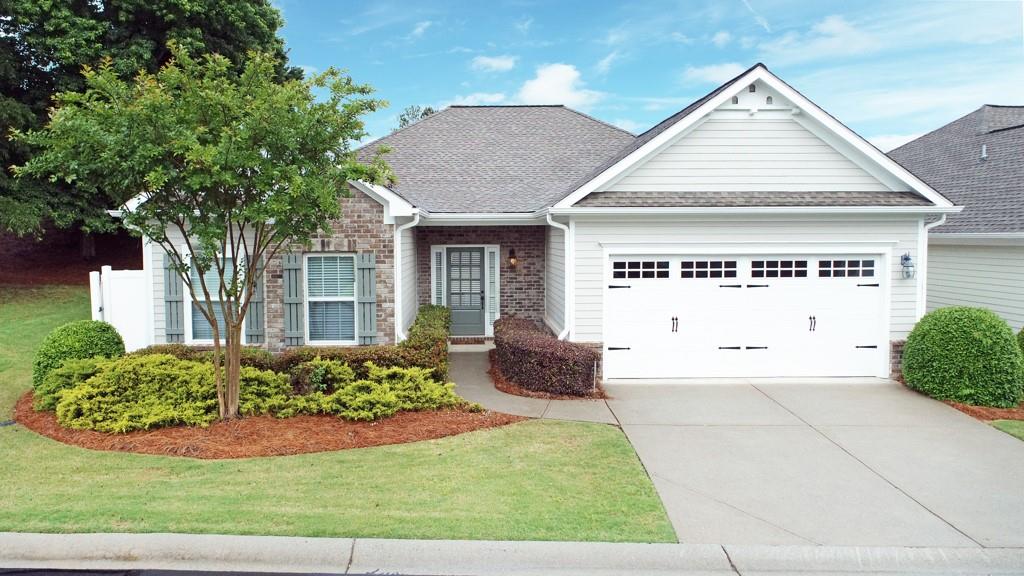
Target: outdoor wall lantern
<point x="512" y="260"/>
<point x="908" y="266"/>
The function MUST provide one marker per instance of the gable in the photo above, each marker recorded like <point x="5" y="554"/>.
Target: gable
<point x="753" y="137"/>
<point x="736" y="150"/>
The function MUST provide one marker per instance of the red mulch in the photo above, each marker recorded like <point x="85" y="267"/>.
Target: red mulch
<point x="509" y="387"/>
<point x="56" y="258"/>
<point x="266" y="435"/>
<point x="986" y="413"/>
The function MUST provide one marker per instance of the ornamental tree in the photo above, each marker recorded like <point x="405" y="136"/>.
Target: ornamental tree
<point x="239" y="165"/>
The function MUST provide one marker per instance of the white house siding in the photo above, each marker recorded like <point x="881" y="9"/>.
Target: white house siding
<point x="409" y="280"/>
<point x="974" y="275"/>
<point x="159" y="263"/>
<point x="899" y="233"/>
<point x="554" y="281"/>
<point x="748" y="154"/>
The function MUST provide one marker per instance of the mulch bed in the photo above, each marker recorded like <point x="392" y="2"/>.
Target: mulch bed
<point x="508" y="387"/>
<point x="988" y="414"/>
<point x="266" y="435"/>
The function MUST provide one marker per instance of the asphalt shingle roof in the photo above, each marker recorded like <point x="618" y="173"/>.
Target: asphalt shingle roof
<point x="991" y="190"/>
<point x="750" y="199"/>
<point x="496" y="158"/>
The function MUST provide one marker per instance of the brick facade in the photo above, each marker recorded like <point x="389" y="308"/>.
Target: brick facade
<point x="521" y="289"/>
<point x="361" y="229"/>
<point x="896" y="359"/>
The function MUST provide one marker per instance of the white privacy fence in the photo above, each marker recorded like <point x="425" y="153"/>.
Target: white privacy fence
<point x="120" y="298"/>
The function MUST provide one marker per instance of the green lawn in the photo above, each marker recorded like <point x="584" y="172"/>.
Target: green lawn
<point x="1011" y="427"/>
<point x="538" y="480"/>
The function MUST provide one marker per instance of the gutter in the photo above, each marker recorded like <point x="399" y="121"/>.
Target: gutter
<point x="566" y="271"/>
<point x="672" y="211"/>
<point x="399" y="316"/>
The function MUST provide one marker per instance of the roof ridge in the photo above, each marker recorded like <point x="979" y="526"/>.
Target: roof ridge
<point x="599" y="121"/>
<point x="505" y="106"/>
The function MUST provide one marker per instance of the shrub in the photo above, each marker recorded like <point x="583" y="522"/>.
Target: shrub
<point x="966" y="355"/>
<point x="71" y="373"/>
<point x="78" y="340"/>
<point x="1020" y="340"/>
<point x="252" y="357"/>
<point x="426" y="347"/>
<point x="146" y="391"/>
<point x="319" y="375"/>
<point x="383" y="393"/>
<point x="537" y="360"/>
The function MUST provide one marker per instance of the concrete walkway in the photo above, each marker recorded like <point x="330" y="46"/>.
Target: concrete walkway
<point x="469" y="372"/>
<point x="839" y="463"/>
<point x="270" y="554"/>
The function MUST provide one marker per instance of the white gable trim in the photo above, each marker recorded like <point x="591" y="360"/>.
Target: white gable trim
<point x="804" y="105"/>
<point x="394" y="205"/>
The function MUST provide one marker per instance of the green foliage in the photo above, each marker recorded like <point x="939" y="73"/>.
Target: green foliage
<point x="967" y="355"/>
<point x="151" y="391"/>
<point x="43" y="47"/>
<point x="319" y="375"/>
<point x="1020" y="339"/>
<point x="250" y="356"/>
<point x="81" y="339"/>
<point x="71" y="373"/>
<point x="413" y="114"/>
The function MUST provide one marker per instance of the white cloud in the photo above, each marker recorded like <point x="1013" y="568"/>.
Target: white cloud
<point x="523" y="26"/>
<point x="493" y="63"/>
<point x="721" y="38"/>
<point x="308" y="70"/>
<point x="605" y="64"/>
<point x="757" y="17"/>
<point x="616" y="36"/>
<point x="420" y="28"/>
<point x="629" y="125"/>
<point x="887" y="142"/>
<point x="712" y="74"/>
<point x="680" y="37"/>
<point x="557" y="84"/>
<point x="478" y="98"/>
<point x="830" y="38"/>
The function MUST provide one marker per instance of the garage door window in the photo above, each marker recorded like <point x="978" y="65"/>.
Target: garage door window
<point x="778" y="269"/>
<point x="846" y="268"/>
<point x="640" y="269"/>
<point x="708" y="268"/>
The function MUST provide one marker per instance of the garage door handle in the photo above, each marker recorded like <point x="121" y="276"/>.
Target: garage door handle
<point x="730" y="347"/>
<point x="756" y="347"/>
<point x="813" y="323"/>
<point x="618" y="348"/>
<point x="730" y="285"/>
<point x="871" y="285"/>
<point x="618" y="286"/>
<point x="872" y="346"/>
<point x="757" y="285"/>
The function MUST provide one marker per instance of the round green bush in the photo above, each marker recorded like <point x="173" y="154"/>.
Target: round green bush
<point x="967" y="355"/>
<point x="78" y="340"/>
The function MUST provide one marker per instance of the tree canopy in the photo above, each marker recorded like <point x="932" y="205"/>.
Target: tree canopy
<point x="413" y="114"/>
<point x="45" y="43"/>
<point x="238" y="166"/>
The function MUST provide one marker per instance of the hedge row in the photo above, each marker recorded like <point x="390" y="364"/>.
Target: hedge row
<point x="425" y="347"/>
<point x="535" y="360"/>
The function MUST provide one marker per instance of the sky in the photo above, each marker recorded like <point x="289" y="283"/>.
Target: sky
<point x="891" y="70"/>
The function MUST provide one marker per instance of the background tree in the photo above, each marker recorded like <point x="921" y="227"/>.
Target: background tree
<point x="413" y="114"/>
<point x="239" y="166"/>
<point x="45" y="43"/>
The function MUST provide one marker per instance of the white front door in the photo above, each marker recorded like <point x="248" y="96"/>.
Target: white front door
<point x="745" y="316"/>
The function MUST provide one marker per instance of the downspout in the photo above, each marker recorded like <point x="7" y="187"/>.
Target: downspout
<point x="399" y="316"/>
<point x="565" y="282"/>
<point x="923" y="276"/>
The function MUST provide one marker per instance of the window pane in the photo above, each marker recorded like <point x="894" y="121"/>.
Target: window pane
<point x="331" y="276"/>
<point x="201" y="328"/>
<point x="212" y="279"/>
<point x="332" y="321"/>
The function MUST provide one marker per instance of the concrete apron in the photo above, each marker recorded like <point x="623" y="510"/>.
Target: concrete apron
<point x="453" y="557"/>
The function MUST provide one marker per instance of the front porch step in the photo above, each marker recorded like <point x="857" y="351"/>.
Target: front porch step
<point x="470" y="344"/>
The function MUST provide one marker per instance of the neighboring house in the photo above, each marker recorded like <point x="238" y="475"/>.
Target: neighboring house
<point x="750" y="234"/>
<point x="977" y="257"/>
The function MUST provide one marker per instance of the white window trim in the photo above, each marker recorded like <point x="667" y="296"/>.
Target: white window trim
<point x="488" y="250"/>
<point x="189" y="340"/>
<point x="306" y="299"/>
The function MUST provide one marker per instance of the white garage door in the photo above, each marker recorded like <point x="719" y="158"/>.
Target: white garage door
<point x="745" y="316"/>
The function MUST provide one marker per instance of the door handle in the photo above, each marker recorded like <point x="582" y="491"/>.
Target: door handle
<point x="675" y="323"/>
<point x="812" y="323"/>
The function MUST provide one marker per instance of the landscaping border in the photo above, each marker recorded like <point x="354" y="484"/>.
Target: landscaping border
<point x="503" y="384"/>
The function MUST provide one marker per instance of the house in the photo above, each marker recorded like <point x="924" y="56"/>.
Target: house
<point x="750" y="234"/>
<point x="976" y="258"/>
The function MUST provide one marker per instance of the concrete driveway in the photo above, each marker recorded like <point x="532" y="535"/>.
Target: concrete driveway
<point x="865" y="464"/>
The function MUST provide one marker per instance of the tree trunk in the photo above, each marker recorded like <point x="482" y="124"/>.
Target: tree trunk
<point x="88" y="246"/>
<point x="233" y="365"/>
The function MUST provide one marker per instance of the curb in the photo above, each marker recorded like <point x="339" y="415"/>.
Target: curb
<point x="217" y="553"/>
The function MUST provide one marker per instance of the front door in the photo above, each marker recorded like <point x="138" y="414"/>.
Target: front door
<point x="466" y="290"/>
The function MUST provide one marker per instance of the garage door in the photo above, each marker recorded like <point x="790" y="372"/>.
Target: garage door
<point x="745" y="316"/>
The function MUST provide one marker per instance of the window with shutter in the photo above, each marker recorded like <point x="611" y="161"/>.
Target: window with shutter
<point x="330" y="299"/>
<point x="199" y="330"/>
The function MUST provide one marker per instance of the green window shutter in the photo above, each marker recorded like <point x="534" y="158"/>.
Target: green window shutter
<point x="254" y="318"/>
<point x="174" y="303"/>
<point x="366" y="296"/>
<point x="294" y="333"/>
